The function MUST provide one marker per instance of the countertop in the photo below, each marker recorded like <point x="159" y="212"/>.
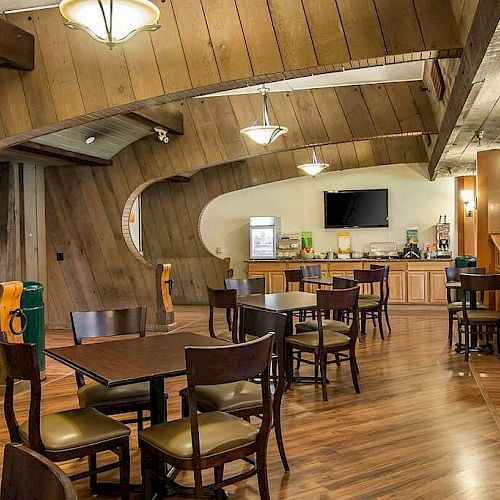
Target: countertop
<point x="254" y="261"/>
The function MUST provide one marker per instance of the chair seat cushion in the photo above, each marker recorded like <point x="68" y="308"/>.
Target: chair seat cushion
<point x="457" y="306"/>
<point x="369" y="296"/>
<point x="71" y="429"/>
<point x="219" y="432"/>
<point x="227" y="337"/>
<point x="98" y="395"/>
<point x="480" y="316"/>
<point x="367" y="304"/>
<point x="328" y="324"/>
<point x="228" y="397"/>
<point x="311" y="339"/>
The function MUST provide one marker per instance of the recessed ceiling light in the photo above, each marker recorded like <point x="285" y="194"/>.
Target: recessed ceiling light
<point x="90" y="139"/>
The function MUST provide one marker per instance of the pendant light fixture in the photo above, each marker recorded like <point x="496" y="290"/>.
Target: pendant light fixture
<point x="315" y="167"/>
<point x="266" y="133"/>
<point x="110" y="21"/>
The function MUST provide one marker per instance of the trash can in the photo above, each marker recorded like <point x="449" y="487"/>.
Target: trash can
<point x="465" y="261"/>
<point x="33" y="308"/>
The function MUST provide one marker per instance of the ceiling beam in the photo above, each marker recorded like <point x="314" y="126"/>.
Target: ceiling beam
<point x="166" y="115"/>
<point x="17" y="47"/>
<point x="60" y="154"/>
<point x="471" y="74"/>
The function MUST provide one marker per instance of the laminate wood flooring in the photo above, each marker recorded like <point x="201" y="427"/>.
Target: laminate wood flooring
<point x="421" y="427"/>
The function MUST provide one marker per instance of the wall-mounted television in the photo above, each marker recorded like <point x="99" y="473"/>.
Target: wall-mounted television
<point x="367" y="208"/>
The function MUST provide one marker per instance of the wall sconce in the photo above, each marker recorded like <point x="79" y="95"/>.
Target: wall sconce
<point x="469" y="200"/>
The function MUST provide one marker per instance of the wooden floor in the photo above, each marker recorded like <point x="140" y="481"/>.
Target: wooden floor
<point x="421" y="427"/>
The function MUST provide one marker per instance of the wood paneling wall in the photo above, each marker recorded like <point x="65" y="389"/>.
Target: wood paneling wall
<point x="8" y="216"/>
<point x="466" y="226"/>
<point x="77" y="79"/>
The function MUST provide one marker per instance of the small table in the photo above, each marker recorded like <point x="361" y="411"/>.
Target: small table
<point x="122" y="362"/>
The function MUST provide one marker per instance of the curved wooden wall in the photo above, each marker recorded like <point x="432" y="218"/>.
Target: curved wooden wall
<point x="77" y="79"/>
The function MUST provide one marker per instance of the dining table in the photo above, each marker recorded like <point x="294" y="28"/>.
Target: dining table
<point x="144" y="359"/>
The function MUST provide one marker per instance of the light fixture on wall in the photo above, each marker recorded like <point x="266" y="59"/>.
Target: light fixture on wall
<point x="266" y="133"/>
<point x="315" y="167"/>
<point x="469" y="200"/>
<point x="110" y="21"/>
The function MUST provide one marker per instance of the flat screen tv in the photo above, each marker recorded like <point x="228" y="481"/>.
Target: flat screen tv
<point x="367" y="208"/>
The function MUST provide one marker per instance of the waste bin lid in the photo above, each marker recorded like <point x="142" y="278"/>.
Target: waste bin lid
<point x="32" y="294"/>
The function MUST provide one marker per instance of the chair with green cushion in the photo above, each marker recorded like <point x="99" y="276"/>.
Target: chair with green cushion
<point x="64" y="435"/>
<point x="210" y="440"/>
<point x="370" y="307"/>
<point x="473" y="320"/>
<point x="322" y="341"/>
<point x="27" y="475"/>
<point x="454" y="298"/>
<point x="112" y="400"/>
<point x="243" y="398"/>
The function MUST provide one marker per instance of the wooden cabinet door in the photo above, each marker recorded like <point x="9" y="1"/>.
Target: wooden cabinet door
<point x="397" y="287"/>
<point x="418" y="289"/>
<point x="275" y="282"/>
<point x="437" y="287"/>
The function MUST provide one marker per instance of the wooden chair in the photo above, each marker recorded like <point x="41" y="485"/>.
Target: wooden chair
<point x="246" y="286"/>
<point x="111" y="400"/>
<point x="212" y="439"/>
<point x="243" y="398"/>
<point x="454" y="299"/>
<point x="472" y="317"/>
<point x="27" y="475"/>
<point x="386" y="293"/>
<point x="324" y="341"/>
<point x="63" y="435"/>
<point x="293" y="276"/>
<point x="371" y="307"/>
<point x="313" y="271"/>
<point x="223" y="299"/>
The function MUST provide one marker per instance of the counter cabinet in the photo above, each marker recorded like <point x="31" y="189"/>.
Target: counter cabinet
<point x="410" y="282"/>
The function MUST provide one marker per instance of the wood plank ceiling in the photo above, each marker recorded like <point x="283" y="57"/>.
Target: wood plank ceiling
<point x="77" y="80"/>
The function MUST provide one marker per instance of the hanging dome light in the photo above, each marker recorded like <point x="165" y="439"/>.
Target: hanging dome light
<point x="315" y="167"/>
<point x="110" y="21"/>
<point x="266" y="133"/>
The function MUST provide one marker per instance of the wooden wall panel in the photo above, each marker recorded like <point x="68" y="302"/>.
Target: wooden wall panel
<point x="7" y="222"/>
<point x="195" y="53"/>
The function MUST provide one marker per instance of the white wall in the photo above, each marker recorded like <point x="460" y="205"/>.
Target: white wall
<point x="413" y="201"/>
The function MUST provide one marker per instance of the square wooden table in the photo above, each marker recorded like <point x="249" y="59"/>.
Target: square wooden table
<point x="122" y="362"/>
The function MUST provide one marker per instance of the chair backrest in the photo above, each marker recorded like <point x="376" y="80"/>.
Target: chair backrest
<point x="339" y="283"/>
<point x="338" y="301"/>
<point x="372" y="277"/>
<point x="20" y="362"/>
<point x="453" y="273"/>
<point x="97" y="324"/>
<point x="27" y="475"/>
<point x="223" y="299"/>
<point x="94" y="324"/>
<point x="480" y="283"/>
<point x="313" y="271"/>
<point x="293" y="276"/>
<point x="231" y="363"/>
<point x="246" y="286"/>
<point x="386" y="279"/>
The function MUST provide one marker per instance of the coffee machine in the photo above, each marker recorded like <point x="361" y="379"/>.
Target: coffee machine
<point x="443" y="238"/>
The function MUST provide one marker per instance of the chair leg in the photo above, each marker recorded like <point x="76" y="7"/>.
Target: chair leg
<point x="262" y="475"/>
<point x="198" y="483"/>
<point x="354" y="371"/>
<point x="363" y="323"/>
<point x="450" y="328"/>
<point x="289" y="364"/>
<point x="124" y="455"/>
<point x="140" y="420"/>
<point x="147" y="476"/>
<point x="337" y="359"/>
<point x="316" y="368"/>
<point x="386" y="312"/>
<point x="467" y="341"/>
<point x="218" y="477"/>
<point x="373" y="321"/>
<point x="322" y="365"/>
<point x="381" y="328"/>
<point x="184" y="406"/>
<point x="93" y="475"/>
<point x="299" y="361"/>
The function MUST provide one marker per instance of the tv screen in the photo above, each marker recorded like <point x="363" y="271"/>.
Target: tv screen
<point x="366" y="208"/>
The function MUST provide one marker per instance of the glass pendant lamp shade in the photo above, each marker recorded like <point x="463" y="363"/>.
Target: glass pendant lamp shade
<point x="315" y="167"/>
<point x="110" y="21"/>
<point x="266" y="133"/>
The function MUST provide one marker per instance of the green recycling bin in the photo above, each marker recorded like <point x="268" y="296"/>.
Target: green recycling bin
<point x="33" y="308"/>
